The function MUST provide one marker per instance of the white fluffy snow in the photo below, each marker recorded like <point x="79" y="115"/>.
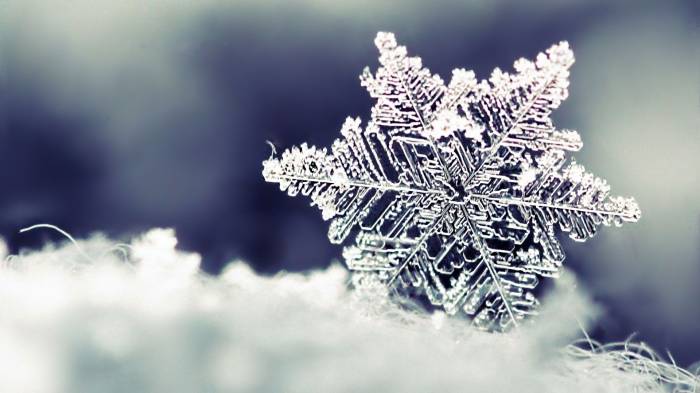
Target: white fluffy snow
<point x="141" y="317"/>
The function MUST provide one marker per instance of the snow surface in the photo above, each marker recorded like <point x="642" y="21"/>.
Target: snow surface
<point x="99" y="316"/>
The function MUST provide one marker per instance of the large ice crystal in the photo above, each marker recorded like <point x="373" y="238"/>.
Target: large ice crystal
<point x="454" y="191"/>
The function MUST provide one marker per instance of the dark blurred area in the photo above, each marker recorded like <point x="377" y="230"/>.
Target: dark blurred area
<point x="122" y="117"/>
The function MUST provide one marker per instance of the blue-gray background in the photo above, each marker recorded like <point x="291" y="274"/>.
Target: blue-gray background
<point x="121" y="116"/>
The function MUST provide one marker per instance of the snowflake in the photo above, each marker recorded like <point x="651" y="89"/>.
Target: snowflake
<point x="454" y="191"/>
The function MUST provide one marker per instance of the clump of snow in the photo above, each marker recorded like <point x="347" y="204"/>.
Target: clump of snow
<point x="142" y="317"/>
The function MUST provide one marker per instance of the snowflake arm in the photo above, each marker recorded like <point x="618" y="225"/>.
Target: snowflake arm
<point x="514" y="109"/>
<point x="367" y="181"/>
<point x="406" y="92"/>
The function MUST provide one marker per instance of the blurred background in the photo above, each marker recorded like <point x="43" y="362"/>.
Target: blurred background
<point x="122" y="116"/>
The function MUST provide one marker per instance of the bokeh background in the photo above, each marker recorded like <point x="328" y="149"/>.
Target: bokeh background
<point x="124" y="115"/>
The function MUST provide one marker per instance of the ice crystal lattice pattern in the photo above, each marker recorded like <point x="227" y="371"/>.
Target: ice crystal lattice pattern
<point x="455" y="191"/>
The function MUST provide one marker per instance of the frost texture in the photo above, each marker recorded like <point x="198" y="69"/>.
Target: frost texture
<point x="142" y="317"/>
<point x="455" y="190"/>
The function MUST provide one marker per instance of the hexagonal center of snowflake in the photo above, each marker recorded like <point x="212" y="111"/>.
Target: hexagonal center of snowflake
<point x="457" y="193"/>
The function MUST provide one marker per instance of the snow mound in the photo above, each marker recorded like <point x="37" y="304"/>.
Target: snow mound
<point x="99" y="316"/>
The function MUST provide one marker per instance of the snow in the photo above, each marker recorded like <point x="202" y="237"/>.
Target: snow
<point x="140" y="316"/>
